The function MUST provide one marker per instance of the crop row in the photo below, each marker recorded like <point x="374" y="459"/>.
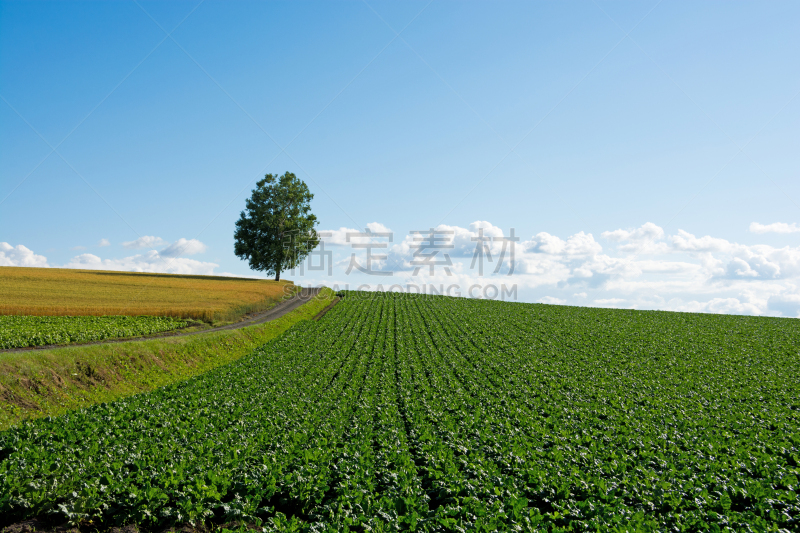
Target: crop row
<point x="23" y="331"/>
<point x="439" y="414"/>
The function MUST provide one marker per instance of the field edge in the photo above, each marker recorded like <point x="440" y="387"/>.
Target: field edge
<point x="36" y="384"/>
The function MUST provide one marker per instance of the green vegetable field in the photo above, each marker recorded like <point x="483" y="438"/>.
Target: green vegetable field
<point x="440" y="414"/>
<point x="23" y="331"/>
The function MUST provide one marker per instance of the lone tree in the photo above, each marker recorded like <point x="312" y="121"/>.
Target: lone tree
<point x="276" y="230"/>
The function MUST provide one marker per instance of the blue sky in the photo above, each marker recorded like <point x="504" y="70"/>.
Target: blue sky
<point x="644" y="152"/>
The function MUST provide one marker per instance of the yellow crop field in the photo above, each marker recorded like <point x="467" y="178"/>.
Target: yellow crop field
<point x="56" y="291"/>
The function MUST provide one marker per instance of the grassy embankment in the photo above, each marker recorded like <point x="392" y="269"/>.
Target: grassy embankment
<point x="49" y="382"/>
<point x="61" y="292"/>
<point x="42" y="383"/>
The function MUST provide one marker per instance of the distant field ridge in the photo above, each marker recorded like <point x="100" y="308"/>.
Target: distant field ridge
<point x="66" y="292"/>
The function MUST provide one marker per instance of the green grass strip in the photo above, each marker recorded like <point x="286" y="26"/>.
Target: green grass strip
<point x="51" y="382"/>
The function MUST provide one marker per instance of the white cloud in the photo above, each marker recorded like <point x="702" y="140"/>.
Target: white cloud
<point x="753" y="266"/>
<point x="786" y="304"/>
<point x="336" y="237"/>
<point x="377" y="227"/>
<point x="481" y="238"/>
<point x="552" y="300"/>
<point x="407" y="254"/>
<point x="720" y="306"/>
<point x="741" y="269"/>
<point x="150" y="261"/>
<point x="681" y="272"/>
<point x="148" y="241"/>
<point x="644" y="239"/>
<point x="580" y="244"/>
<point x="103" y="242"/>
<point x="545" y="243"/>
<point x="178" y="248"/>
<point x="539" y="269"/>
<point x="663" y="266"/>
<point x="347" y="236"/>
<point x="776" y="227"/>
<point x="647" y="232"/>
<point x="183" y="247"/>
<point x="686" y="242"/>
<point x="609" y="302"/>
<point x="665" y="272"/>
<point x="20" y="256"/>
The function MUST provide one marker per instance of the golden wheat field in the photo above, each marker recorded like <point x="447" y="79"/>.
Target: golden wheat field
<point x="55" y="291"/>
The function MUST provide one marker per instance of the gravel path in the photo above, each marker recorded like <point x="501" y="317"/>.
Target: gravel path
<point x="286" y="306"/>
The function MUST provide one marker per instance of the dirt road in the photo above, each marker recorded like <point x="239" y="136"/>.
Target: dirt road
<point x="282" y="308"/>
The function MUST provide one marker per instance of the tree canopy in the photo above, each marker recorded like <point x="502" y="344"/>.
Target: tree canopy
<point x="276" y="231"/>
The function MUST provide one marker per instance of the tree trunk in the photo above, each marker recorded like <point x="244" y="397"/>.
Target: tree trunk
<point x="279" y="262"/>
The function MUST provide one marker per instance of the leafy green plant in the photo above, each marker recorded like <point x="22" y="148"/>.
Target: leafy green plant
<point x="23" y="331"/>
<point x="421" y="413"/>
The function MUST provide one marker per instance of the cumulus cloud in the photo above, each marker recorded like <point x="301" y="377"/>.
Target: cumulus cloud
<point x="481" y="242"/>
<point x="552" y="300"/>
<point x="639" y="267"/>
<point x="336" y="237"/>
<point x="739" y="268"/>
<point x="20" y="256"/>
<point x="786" y="304"/>
<point x="346" y="236"/>
<point x="647" y="232"/>
<point x="178" y="248"/>
<point x="150" y="261"/>
<point x="775" y="227"/>
<point x="441" y="245"/>
<point x="539" y="270"/>
<point x="609" y="302"/>
<point x="686" y="242"/>
<point x="645" y="239"/>
<point x="753" y="266"/>
<point x="663" y="268"/>
<point x="730" y="306"/>
<point x="580" y="244"/>
<point x="377" y="227"/>
<point x="103" y="242"/>
<point x="183" y="247"/>
<point x="666" y="266"/>
<point x="148" y="241"/>
<point x="481" y="237"/>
